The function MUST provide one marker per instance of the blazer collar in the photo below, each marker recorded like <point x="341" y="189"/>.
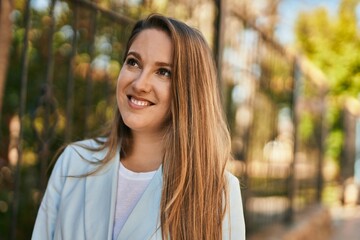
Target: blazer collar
<point x="100" y="198"/>
<point x="144" y="220"/>
<point x="100" y="202"/>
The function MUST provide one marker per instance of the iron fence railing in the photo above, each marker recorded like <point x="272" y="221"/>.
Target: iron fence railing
<point x="68" y="60"/>
<point x="276" y="105"/>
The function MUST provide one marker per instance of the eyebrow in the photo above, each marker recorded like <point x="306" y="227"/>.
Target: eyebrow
<point x="138" y="56"/>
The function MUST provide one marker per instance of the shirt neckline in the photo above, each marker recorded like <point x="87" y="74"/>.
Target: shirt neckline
<point x="135" y="175"/>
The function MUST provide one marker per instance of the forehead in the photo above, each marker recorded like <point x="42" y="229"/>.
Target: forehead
<point x="153" y="41"/>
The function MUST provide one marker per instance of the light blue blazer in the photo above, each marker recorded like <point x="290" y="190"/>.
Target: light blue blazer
<point x="75" y="208"/>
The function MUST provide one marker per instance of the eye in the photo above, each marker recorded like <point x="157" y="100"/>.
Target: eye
<point x="132" y="62"/>
<point x="164" y="72"/>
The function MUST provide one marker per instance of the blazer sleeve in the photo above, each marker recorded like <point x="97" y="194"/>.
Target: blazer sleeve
<point x="234" y="223"/>
<point x="48" y="211"/>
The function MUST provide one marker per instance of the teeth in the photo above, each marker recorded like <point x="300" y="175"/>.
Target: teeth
<point x="139" y="103"/>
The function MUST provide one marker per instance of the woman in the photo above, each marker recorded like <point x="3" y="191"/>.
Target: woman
<point x="159" y="173"/>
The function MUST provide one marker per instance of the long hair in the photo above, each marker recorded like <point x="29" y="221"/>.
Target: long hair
<point x="197" y="141"/>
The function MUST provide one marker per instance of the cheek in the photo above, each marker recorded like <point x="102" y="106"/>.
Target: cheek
<point x="120" y="85"/>
<point x="121" y="82"/>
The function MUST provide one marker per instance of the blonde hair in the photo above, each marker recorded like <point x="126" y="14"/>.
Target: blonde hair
<point x="197" y="142"/>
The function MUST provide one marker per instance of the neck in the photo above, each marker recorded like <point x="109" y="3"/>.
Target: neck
<point x="146" y="153"/>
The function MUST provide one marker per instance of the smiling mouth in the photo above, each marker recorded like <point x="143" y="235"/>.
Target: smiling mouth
<point x="139" y="102"/>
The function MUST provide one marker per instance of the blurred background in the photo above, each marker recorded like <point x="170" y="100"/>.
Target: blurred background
<point x="290" y="81"/>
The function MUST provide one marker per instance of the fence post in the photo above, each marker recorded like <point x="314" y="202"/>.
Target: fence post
<point x="218" y="36"/>
<point x="23" y="95"/>
<point x="320" y="181"/>
<point x="70" y="78"/>
<point x="292" y="184"/>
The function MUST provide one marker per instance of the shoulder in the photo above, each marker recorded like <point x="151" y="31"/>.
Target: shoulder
<point x="232" y="180"/>
<point x="233" y="187"/>
<point x="234" y="224"/>
<point x="78" y="156"/>
<point x="88" y="149"/>
<point x="86" y="144"/>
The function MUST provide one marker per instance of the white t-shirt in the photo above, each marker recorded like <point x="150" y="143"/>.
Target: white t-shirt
<point x="131" y="185"/>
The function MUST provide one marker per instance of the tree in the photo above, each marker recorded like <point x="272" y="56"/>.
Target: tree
<point x="333" y="44"/>
<point x="5" y="42"/>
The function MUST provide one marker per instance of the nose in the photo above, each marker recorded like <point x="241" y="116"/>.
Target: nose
<point x="142" y="82"/>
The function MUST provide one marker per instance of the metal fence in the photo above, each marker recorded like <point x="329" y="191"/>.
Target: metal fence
<point x="276" y="106"/>
<point x="68" y="56"/>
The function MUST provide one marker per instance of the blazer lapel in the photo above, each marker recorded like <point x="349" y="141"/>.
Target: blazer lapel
<point x="144" y="220"/>
<point x="100" y="197"/>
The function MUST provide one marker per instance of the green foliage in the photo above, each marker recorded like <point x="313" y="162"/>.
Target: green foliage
<point x="334" y="143"/>
<point x="306" y="127"/>
<point x="276" y="78"/>
<point x="333" y="44"/>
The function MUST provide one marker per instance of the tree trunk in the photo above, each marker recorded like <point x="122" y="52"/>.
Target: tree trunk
<point x="5" y="41"/>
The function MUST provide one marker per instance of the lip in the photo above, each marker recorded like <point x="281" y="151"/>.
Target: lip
<point x="138" y="102"/>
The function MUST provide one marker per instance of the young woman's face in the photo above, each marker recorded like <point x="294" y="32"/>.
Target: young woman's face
<point x="143" y="87"/>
